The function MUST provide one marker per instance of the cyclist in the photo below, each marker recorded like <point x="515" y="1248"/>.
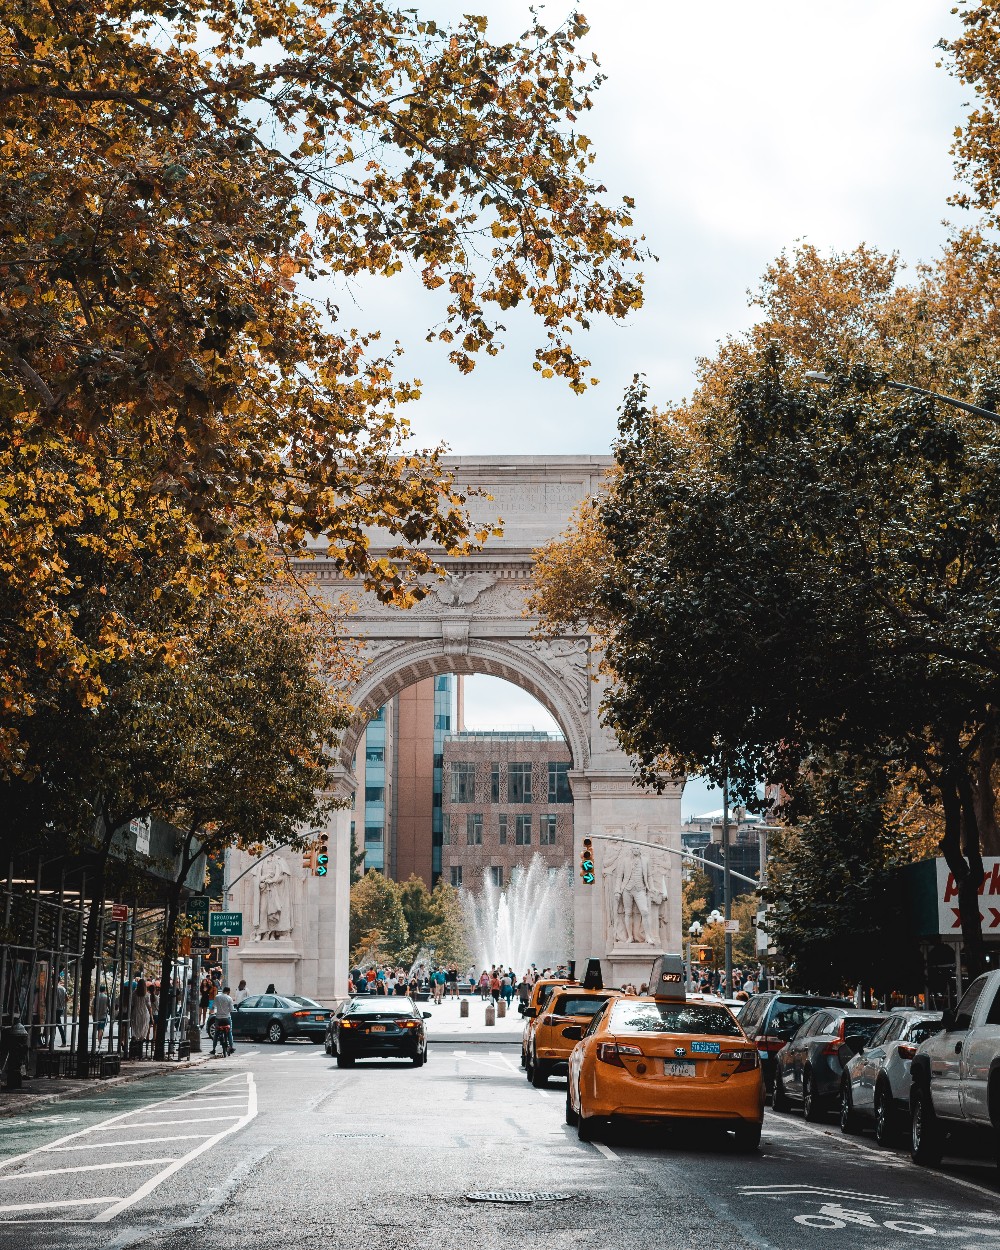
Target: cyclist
<point x="223" y="1032"/>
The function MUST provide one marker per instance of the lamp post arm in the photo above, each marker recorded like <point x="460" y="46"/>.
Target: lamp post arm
<point x="945" y="399"/>
<point x="609" y="837"/>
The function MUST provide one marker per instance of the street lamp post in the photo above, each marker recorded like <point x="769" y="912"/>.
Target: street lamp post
<point x="816" y="375"/>
<point x="727" y="884"/>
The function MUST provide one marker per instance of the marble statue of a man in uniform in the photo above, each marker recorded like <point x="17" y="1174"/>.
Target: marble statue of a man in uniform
<point x="272" y="902"/>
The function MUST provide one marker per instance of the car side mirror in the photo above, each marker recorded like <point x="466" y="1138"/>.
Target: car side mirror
<point x="573" y="1031"/>
<point x="426" y="1015"/>
<point x="529" y="1013"/>
<point x="948" y="1021"/>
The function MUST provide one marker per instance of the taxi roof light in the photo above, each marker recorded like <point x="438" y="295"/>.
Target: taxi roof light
<point x="667" y="979"/>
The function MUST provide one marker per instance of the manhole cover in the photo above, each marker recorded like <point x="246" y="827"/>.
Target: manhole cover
<point x="515" y="1195"/>
<point x="354" y="1136"/>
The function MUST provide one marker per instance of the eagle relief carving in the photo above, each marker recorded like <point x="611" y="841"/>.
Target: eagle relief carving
<point x="458" y="590"/>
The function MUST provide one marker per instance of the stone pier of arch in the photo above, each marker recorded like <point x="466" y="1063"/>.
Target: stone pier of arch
<point x="474" y="621"/>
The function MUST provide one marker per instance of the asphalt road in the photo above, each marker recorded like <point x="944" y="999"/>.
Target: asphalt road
<point x="277" y="1147"/>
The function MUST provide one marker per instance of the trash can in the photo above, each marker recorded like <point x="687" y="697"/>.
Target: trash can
<point x="16" y="1048"/>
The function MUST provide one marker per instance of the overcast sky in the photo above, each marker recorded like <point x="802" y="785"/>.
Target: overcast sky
<point x="738" y="128"/>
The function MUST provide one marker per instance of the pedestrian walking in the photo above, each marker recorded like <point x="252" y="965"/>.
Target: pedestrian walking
<point x="61" y="1008"/>
<point x="101" y="1009"/>
<point x="241" y="993"/>
<point x="139" y="1018"/>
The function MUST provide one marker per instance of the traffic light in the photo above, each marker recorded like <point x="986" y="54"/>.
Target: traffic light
<point x="309" y="857"/>
<point x="587" y="862"/>
<point x="321" y="855"/>
<point x="702" y="955"/>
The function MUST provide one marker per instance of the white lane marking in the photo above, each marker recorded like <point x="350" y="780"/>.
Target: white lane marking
<point x="123" y="1115"/>
<point x="145" y="1190"/>
<point x="608" y="1153"/>
<point x="88" y="1167"/>
<point x="45" y="1206"/>
<point x="545" y="1093"/>
<point x="890" y="1160"/>
<point x="147" y="1124"/>
<point x="132" y="1141"/>
<point x="486" y="1063"/>
<point x="788" y="1191"/>
<point x="515" y="1068"/>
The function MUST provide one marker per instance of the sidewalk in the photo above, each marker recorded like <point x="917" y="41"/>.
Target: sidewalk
<point x="447" y="1025"/>
<point x="40" y="1092"/>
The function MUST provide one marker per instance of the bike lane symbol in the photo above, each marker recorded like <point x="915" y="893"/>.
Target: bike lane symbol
<point x="833" y="1215"/>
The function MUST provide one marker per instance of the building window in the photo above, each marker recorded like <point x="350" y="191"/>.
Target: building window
<point x="463" y="783"/>
<point x="456" y="875"/>
<point x="375" y="755"/>
<point x="374" y="794"/>
<point x="474" y="828"/>
<point x="518" y="783"/>
<point x="496" y="874"/>
<point x="522" y="830"/>
<point x="442" y="722"/>
<point x="445" y="828"/>
<point x="559" y="791"/>
<point x="502" y="821"/>
<point x="373" y="833"/>
<point x="547" y="830"/>
<point x="494" y="783"/>
<point x="379" y="715"/>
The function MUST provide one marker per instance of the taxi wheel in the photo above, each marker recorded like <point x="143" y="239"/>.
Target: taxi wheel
<point x="588" y="1127"/>
<point x="345" y="1061"/>
<point x="539" y="1075"/>
<point x="418" y="1060"/>
<point x="748" y="1137"/>
<point x="529" y="1071"/>
<point x="571" y="1116"/>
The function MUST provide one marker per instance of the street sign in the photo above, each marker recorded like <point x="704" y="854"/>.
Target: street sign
<point x="198" y="908"/>
<point x="949" y="916"/>
<point x="119" y="912"/>
<point x="732" y="926"/>
<point x="201" y="944"/>
<point x="232" y="941"/>
<point x="225" y="923"/>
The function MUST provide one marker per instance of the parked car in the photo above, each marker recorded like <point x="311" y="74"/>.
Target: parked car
<point x="277" y="1017"/>
<point x="955" y="1075"/>
<point x="376" y="1026"/>
<point x="810" y="1066"/>
<point x="676" y="1064"/>
<point x="772" y="1017"/>
<point x="876" y="1083"/>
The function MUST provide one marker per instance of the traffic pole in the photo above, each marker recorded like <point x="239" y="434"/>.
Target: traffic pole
<point x="727" y="885"/>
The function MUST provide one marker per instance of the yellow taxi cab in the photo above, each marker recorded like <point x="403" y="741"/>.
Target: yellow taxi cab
<point x="541" y="992"/>
<point x="661" y="1058"/>
<point x="549" y="1049"/>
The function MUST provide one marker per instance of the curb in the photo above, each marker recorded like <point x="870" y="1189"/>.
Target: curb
<point x="67" y="1095"/>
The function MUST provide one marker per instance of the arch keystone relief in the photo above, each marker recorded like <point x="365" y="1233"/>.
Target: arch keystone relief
<point x="473" y="621"/>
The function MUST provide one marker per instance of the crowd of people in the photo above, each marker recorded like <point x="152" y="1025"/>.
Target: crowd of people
<point x="494" y="983"/>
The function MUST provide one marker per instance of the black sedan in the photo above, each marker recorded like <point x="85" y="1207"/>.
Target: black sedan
<point x="277" y="1017"/>
<point x="377" y="1027"/>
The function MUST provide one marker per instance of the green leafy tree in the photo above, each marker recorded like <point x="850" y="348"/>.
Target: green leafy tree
<point x="377" y="925"/>
<point x="836" y="913"/>
<point x="446" y="934"/>
<point x="415" y="899"/>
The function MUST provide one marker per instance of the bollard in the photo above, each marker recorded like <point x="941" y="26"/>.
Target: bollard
<point x="502" y="1009"/>
<point x="491" y="1015"/>
<point x="463" y="1009"/>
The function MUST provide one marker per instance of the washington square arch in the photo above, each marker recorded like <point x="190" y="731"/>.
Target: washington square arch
<point x="473" y="621"/>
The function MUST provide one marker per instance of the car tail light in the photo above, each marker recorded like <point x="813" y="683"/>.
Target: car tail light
<point x="771" y="1044"/>
<point x="611" y="1052"/>
<point x="346" y="1024"/>
<point x="296" y="1014"/>
<point x="833" y="1048"/>
<point x="749" y="1060"/>
<point x="407" y="1024"/>
<point x="906" y="1051"/>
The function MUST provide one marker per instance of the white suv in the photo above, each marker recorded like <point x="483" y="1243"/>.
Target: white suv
<point x="956" y="1074"/>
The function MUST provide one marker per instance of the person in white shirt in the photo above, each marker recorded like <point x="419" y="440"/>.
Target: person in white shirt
<point x="241" y="993"/>
<point x="222" y="1006"/>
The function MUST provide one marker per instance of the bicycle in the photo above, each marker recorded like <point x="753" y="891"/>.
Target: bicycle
<point x="223" y="1034"/>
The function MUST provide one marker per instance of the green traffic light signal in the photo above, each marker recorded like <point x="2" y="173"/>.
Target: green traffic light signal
<point x="587" y="873"/>
<point x="321" y="865"/>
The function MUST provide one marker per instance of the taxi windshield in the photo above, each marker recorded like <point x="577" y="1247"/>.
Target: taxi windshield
<point x="572" y="1005"/>
<point x="630" y="1016"/>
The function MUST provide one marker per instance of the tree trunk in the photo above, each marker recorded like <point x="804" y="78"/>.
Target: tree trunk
<point x="968" y="874"/>
<point x="163" y="1010"/>
<point x="90" y="954"/>
<point x="984" y="794"/>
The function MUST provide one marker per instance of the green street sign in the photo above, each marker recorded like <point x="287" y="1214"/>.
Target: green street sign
<point x="225" y="924"/>
<point x="198" y="908"/>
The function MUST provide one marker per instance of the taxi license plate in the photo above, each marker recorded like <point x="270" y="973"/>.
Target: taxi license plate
<point x="377" y="1028"/>
<point x="678" y="1067"/>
